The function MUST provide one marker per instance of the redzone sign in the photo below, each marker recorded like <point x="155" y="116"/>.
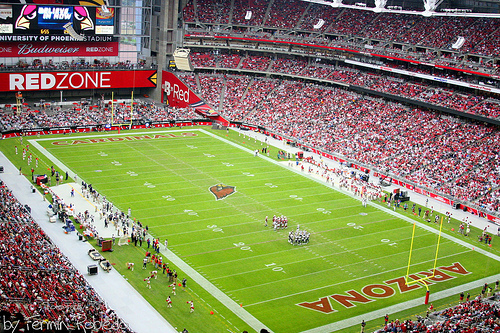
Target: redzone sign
<point x="48" y="81"/>
<point x="385" y="289"/>
<point x="77" y="80"/>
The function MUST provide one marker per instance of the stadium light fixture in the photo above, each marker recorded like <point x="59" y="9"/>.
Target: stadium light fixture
<point x="459" y="43"/>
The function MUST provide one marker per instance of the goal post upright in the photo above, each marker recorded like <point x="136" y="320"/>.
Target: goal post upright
<point x="112" y="108"/>
<point x="423" y="280"/>
<point x="131" y="107"/>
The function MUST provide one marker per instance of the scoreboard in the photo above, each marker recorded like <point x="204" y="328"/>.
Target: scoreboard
<point x="22" y="21"/>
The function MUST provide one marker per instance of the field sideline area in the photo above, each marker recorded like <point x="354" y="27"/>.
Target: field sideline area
<point x="208" y="193"/>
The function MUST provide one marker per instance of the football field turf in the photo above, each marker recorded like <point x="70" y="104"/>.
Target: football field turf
<point x="210" y="195"/>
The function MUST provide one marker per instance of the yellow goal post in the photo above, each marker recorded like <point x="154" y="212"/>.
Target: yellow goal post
<point x="423" y="280"/>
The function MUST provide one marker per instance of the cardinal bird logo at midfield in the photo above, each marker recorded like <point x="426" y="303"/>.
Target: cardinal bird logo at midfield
<point x="221" y="191"/>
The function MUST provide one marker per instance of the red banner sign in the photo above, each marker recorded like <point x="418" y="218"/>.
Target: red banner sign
<point x="63" y="80"/>
<point x="58" y="49"/>
<point x="177" y="94"/>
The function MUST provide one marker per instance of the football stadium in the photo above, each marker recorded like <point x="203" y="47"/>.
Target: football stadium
<point x="286" y="166"/>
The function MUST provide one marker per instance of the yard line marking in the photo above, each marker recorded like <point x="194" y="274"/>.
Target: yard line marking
<point x="312" y="258"/>
<point x="277" y="252"/>
<point x="338" y="267"/>
<point x="352" y="280"/>
<point x="281" y="239"/>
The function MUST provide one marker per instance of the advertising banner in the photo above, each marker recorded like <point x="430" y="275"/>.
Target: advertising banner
<point x="69" y="80"/>
<point x="58" y="49"/>
<point x="176" y="94"/>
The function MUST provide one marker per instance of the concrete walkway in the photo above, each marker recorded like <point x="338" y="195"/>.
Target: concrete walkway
<point x="118" y="294"/>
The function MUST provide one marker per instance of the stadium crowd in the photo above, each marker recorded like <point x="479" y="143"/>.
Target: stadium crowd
<point x="481" y="33"/>
<point x="88" y="115"/>
<point x="445" y="97"/>
<point x="416" y="37"/>
<point x="478" y="315"/>
<point x="38" y="283"/>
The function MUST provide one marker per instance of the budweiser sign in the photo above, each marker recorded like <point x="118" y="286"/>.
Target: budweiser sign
<point x="59" y="49"/>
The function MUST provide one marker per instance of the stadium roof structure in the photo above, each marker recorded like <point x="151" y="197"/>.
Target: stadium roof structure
<point x="428" y="8"/>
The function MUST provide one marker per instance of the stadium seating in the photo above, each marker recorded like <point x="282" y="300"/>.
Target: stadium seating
<point x="481" y="35"/>
<point x="460" y="101"/>
<point x="90" y="116"/>
<point x="38" y="280"/>
<point x="472" y="316"/>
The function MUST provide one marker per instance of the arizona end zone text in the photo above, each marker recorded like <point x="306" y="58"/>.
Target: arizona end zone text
<point x="125" y="138"/>
<point x="373" y="292"/>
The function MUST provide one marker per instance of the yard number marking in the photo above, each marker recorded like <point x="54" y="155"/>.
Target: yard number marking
<point x="190" y="212"/>
<point x="132" y="173"/>
<point x="324" y="211"/>
<point x="355" y="226"/>
<point x="242" y="246"/>
<point x="277" y="268"/>
<point x="168" y="197"/>
<point x="215" y="228"/>
<point x="389" y="241"/>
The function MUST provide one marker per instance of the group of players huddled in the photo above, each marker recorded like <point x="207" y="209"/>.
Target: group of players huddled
<point x="297" y="237"/>
<point x="280" y="222"/>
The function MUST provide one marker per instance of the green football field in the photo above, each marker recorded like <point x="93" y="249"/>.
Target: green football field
<point x="209" y="195"/>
